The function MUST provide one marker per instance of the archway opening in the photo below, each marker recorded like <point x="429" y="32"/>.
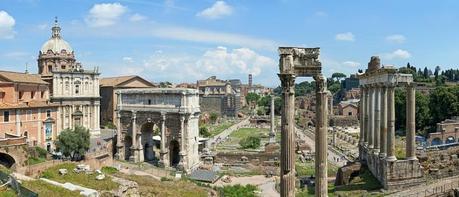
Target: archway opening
<point x="127" y="147"/>
<point x="174" y="149"/>
<point x="147" y="141"/>
<point x="6" y="160"/>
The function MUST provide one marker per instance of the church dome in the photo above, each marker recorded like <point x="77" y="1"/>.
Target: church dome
<point x="56" y="43"/>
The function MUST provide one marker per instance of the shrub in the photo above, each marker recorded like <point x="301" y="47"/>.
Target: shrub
<point x="41" y="152"/>
<point x="109" y="170"/>
<point x="213" y="117"/>
<point x="238" y="190"/>
<point x="204" y="131"/>
<point x="250" y="142"/>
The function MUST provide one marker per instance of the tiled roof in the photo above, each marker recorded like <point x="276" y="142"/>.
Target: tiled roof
<point x="115" y="81"/>
<point x="31" y="104"/>
<point x="22" y="77"/>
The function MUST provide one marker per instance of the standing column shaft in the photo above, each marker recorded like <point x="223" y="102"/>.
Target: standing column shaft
<point x="377" y="123"/>
<point x="383" y="123"/>
<point x="367" y="115"/>
<point x="371" y="119"/>
<point x="361" y="116"/>
<point x="134" y="137"/>
<point x="272" y="133"/>
<point x="391" y="124"/>
<point x="321" y="138"/>
<point x="119" y="145"/>
<point x="410" y="123"/>
<point x="163" y="151"/>
<point x="287" y="184"/>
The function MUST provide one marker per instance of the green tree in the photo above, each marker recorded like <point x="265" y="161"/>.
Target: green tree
<point x="251" y="142"/>
<point x="252" y="97"/>
<point x="238" y="190"/>
<point x="400" y="109"/>
<point x="338" y="76"/>
<point x="73" y="142"/>
<point x="213" y="117"/>
<point x="444" y="103"/>
<point x="422" y="112"/>
<point x="334" y="88"/>
<point x="204" y="131"/>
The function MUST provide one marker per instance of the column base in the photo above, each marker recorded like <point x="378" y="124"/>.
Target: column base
<point x="414" y="158"/>
<point x="391" y="158"/>
<point x="382" y="155"/>
<point x="376" y="151"/>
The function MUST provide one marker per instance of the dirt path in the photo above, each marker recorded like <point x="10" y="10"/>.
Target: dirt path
<point x="266" y="185"/>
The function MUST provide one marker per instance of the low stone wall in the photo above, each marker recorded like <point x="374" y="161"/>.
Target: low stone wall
<point x="343" y="121"/>
<point x="393" y="175"/>
<point x="252" y="158"/>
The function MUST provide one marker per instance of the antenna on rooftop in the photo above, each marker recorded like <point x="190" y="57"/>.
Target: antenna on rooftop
<point x="27" y="68"/>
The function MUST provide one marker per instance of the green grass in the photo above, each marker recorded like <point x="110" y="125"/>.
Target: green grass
<point x="308" y="169"/>
<point x="149" y="186"/>
<point x="109" y="170"/>
<point x="79" y="179"/>
<point x="7" y="192"/>
<point x="246" y="132"/>
<point x="45" y="189"/>
<point x="35" y="160"/>
<point x="309" y="191"/>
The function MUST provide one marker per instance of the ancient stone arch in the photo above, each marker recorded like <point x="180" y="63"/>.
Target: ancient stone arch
<point x="302" y="62"/>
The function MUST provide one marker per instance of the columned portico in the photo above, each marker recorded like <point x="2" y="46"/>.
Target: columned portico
<point x="378" y="126"/>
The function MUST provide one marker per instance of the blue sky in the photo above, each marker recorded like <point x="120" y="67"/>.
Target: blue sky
<point x="183" y="41"/>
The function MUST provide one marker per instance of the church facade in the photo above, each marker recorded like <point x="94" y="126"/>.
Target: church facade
<point x="73" y="88"/>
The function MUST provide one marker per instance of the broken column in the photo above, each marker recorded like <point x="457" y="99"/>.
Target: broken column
<point x="272" y="133"/>
<point x="410" y="122"/>
<point x="321" y="188"/>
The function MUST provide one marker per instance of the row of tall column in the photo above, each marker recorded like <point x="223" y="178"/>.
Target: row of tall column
<point x="377" y="120"/>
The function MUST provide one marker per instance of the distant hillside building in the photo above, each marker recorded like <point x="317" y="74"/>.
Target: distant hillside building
<point x="108" y="87"/>
<point x="219" y="96"/>
<point x="25" y="109"/>
<point x="73" y="88"/>
<point x="349" y="108"/>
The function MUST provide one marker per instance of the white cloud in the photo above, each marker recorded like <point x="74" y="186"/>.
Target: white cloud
<point x="128" y="59"/>
<point x="396" y="38"/>
<point x="348" y="36"/>
<point x="137" y="17"/>
<point x="199" y="35"/>
<point x="397" y="54"/>
<point x="105" y="14"/>
<point x="216" y="11"/>
<point x="7" y="23"/>
<point x="351" y="64"/>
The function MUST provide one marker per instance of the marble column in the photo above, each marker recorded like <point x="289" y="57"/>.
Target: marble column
<point x="371" y="118"/>
<point x="119" y="146"/>
<point x="391" y="123"/>
<point x="287" y="164"/>
<point x="182" y="152"/>
<point x="321" y="184"/>
<point x="377" y="120"/>
<point x="272" y="133"/>
<point x="361" y="116"/>
<point x="383" y="123"/>
<point x="133" y="157"/>
<point x="367" y="115"/>
<point x="410" y="122"/>
<point x="163" y="152"/>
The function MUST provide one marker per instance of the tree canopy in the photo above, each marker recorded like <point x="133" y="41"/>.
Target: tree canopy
<point x="73" y="142"/>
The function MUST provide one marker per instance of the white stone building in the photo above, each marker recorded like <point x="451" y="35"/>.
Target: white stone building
<point x="75" y="90"/>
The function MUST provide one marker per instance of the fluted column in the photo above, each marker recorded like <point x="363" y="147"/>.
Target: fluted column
<point x="163" y="152"/>
<point x="391" y="123"/>
<point x="134" y="137"/>
<point x="377" y="120"/>
<point x="383" y="123"/>
<point x="287" y="184"/>
<point x="321" y="184"/>
<point x="371" y="118"/>
<point x="410" y="122"/>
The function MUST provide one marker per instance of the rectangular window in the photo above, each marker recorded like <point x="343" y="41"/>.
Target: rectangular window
<point x="42" y="94"/>
<point x="48" y="113"/>
<point x="29" y="115"/>
<point x="6" y="116"/>
<point x="21" y="94"/>
<point x="32" y="94"/>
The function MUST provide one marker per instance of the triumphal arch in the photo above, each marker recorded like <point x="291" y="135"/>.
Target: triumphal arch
<point x="302" y="62"/>
<point x="159" y="125"/>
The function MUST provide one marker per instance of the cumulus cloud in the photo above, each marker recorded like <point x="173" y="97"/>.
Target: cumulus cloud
<point x="347" y="36"/>
<point x="396" y="38"/>
<point x="218" y="10"/>
<point x="397" y="54"/>
<point x="105" y="14"/>
<point x="7" y="23"/>
<point x="137" y="17"/>
<point x="351" y="64"/>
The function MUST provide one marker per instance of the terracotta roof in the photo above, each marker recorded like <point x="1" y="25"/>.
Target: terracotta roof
<point x="21" y="77"/>
<point x="115" y="81"/>
<point x="31" y="104"/>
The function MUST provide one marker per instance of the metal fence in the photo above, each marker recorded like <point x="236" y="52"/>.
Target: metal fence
<point x="16" y="186"/>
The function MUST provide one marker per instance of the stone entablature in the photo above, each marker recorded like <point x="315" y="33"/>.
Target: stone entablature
<point x="377" y="127"/>
<point x="175" y="112"/>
